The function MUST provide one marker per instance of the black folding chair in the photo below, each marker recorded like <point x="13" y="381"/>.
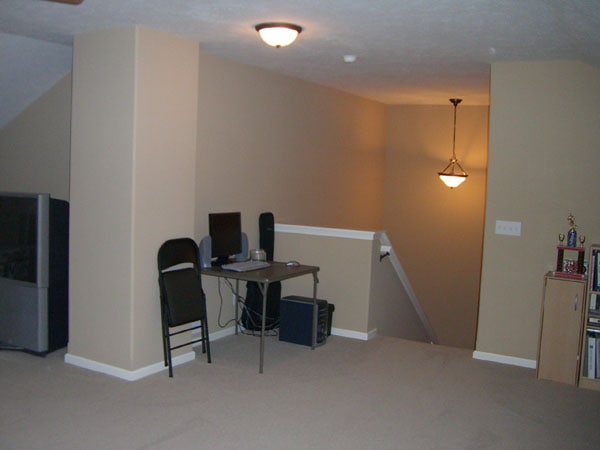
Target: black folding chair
<point x="182" y="299"/>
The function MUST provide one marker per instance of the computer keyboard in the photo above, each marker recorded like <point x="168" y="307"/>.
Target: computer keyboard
<point x="245" y="266"/>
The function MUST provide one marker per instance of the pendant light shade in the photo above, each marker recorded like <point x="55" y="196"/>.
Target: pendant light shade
<point x="453" y="174"/>
<point x="277" y="34"/>
<point x="451" y="177"/>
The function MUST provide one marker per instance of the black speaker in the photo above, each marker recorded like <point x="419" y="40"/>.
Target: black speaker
<point x="252" y="313"/>
<point x="266" y="227"/>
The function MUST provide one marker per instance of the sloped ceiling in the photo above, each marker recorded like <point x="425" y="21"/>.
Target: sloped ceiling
<point x="407" y="51"/>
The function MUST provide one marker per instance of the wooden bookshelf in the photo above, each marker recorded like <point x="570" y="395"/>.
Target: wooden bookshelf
<point x="561" y="327"/>
<point x="591" y="329"/>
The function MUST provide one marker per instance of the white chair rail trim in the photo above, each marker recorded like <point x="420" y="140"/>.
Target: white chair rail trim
<point x="329" y="232"/>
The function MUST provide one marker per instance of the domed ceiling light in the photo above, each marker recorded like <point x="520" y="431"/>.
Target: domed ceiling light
<point x="278" y="34"/>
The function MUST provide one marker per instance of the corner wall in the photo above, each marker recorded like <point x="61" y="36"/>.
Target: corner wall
<point x="543" y="164"/>
<point x="437" y="232"/>
<point x="132" y="187"/>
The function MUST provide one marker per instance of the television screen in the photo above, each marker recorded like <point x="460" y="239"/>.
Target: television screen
<point x="18" y="237"/>
<point x="225" y="231"/>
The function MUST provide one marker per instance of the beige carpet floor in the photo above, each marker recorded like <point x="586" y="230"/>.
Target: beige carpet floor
<point x="386" y="393"/>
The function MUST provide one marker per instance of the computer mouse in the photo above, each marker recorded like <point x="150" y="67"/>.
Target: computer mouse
<point x="292" y="263"/>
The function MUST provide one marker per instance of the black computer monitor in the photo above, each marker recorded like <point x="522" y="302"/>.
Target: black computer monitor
<point x="225" y="231"/>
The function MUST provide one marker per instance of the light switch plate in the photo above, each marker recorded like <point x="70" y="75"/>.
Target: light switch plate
<point x="508" y="228"/>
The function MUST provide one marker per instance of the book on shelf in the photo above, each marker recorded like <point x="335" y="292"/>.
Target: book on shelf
<point x="594" y="310"/>
<point x="597" y="358"/>
<point x="597" y="373"/>
<point x="592" y="354"/>
<point x="591" y="372"/>
<point x="591" y="269"/>
<point x="596" y="270"/>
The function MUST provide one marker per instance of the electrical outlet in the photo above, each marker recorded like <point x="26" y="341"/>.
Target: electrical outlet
<point x="508" y="228"/>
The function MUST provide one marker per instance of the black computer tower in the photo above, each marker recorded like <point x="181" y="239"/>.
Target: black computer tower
<point x="296" y="319"/>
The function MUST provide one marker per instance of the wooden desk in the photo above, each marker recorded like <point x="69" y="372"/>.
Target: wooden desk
<point x="277" y="271"/>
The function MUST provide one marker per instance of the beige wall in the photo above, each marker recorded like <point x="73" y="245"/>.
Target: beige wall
<point x="311" y="155"/>
<point x="308" y="154"/>
<point x="369" y="298"/>
<point x="100" y="225"/>
<point x="543" y="159"/>
<point x="437" y="232"/>
<point x="132" y="186"/>
<point x="165" y="170"/>
<point x="35" y="146"/>
<point x="347" y="287"/>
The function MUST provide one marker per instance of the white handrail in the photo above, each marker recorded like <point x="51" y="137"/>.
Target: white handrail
<point x="386" y="248"/>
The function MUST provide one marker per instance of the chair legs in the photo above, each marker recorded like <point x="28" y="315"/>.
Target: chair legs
<point x="205" y="340"/>
<point x="165" y="335"/>
<point x="169" y="361"/>
<point x="167" y="347"/>
<point x="167" y="343"/>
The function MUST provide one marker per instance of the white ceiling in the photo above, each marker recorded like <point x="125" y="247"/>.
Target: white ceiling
<point x="408" y="51"/>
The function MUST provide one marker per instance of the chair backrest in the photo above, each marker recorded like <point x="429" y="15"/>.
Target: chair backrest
<point x="181" y="292"/>
<point x="177" y="251"/>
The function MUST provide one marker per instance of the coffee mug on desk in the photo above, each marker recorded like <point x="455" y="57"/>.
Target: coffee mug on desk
<point x="258" y="255"/>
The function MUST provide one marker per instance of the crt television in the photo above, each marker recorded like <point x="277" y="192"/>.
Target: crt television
<point x="225" y="230"/>
<point x="34" y="247"/>
<point x="23" y="238"/>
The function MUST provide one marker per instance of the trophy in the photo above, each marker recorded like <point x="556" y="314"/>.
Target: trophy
<point x="572" y="233"/>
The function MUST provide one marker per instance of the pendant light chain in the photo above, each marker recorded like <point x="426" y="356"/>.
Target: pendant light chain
<point x="455" y="102"/>
<point x="449" y="175"/>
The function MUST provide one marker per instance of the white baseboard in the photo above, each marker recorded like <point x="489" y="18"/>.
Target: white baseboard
<point x="503" y="359"/>
<point x="216" y="335"/>
<point x="334" y="331"/>
<point x="129" y="375"/>
<point x="133" y="375"/>
<point x="354" y="334"/>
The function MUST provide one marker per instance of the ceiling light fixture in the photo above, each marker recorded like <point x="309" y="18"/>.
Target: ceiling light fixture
<point x="278" y="34"/>
<point x="450" y="176"/>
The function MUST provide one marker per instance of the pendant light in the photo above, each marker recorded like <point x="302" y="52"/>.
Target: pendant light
<point x="278" y="34"/>
<point x="453" y="175"/>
